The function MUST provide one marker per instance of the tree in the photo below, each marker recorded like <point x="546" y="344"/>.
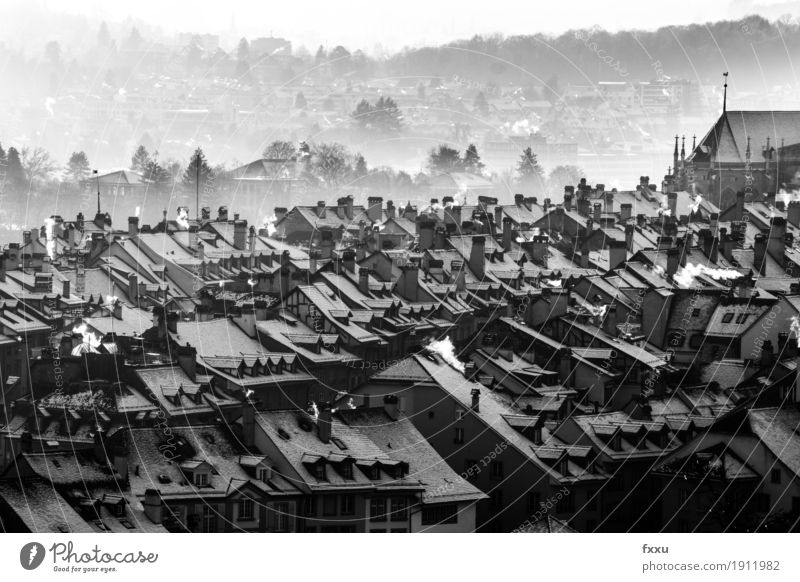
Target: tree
<point x="330" y="163"/>
<point x="320" y="57"/>
<point x="15" y="175"/>
<point x="78" y="167"/>
<point x="243" y="58"/>
<point x="481" y="104"/>
<point x="156" y="174"/>
<point x="300" y="101"/>
<point x="140" y="159"/>
<point x="280" y="150"/>
<point x="384" y="117"/>
<point x="36" y="164"/>
<point x="197" y="163"/>
<point x="472" y="160"/>
<point x="340" y="60"/>
<point x="444" y="159"/>
<point x="530" y="175"/>
<point x="561" y="176"/>
<point x="360" y="167"/>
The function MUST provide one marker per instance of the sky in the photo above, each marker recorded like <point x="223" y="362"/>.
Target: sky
<point x="366" y="24"/>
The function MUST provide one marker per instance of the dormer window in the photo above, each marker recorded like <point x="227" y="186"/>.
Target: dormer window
<point x="263" y="474"/>
<point x="201" y="479"/>
<point x="375" y="473"/>
<point x="319" y="472"/>
<point x="346" y="470"/>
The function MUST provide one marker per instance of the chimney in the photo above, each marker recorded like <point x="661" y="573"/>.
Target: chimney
<point x="326" y="243"/>
<point x="205" y="213"/>
<point x="673" y="261"/>
<point x="248" y="422"/>
<point x="583" y="244"/>
<point x="458" y="276"/>
<point x="133" y="287"/>
<point x="686" y="246"/>
<point x="363" y="280"/>
<point x="569" y="193"/>
<point x="452" y="215"/>
<point x="565" y="367"/>
<point x="776" y="246"/>
<point x="26" y="237"/>
<point x="240" y="235"/>
<point x="321" y="209"/>
<point x="390" y="210"/>
<point x="608" y="198"/>
<point x="672" y="204"/>
<point x="439" y="237"/>
<point x="2" y="267"/>
<point x="759" y="254"/>
<point x="625" y="211"/>
<point x="793" y="212"/>
<point x="539" y="250"/>
<point x="408" y="282"/>
<point x="347" y="203"/>
<point x="425" y="228"/>
<point x="222" y="214"/>
<point x="375" y="209"/>
<point x="629" y="229"/>
<point x="187" y="360"/>
<point x="390" y="406"/>
<point x="349" y="260"/>
<point x="610" y="321"/>
<point x="324" y="422"/>
<point x="727" y="244"/>
<point x="477" y="257"/>
<point x="617" y="253"/>
<point x="251" y="239"/>
<point x="519" y="199"/>
<point x="410" y="212"/>
<point x="201" y="251"/>
<point x="153" y="507"/>
<point x="597" y="211"/>
<point x="65" y="289"/>
<point x="313" y="256"/>
<point x="133" y="226"/>
<point x="476" y="399"/>
<point x="767" y="355"/>
<point x="508" y="233"/>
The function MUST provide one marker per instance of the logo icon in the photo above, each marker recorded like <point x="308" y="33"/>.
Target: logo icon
<point x="31" y="555"/>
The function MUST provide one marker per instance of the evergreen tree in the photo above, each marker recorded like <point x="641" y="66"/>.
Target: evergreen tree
<point x="530" y="175"/>
<point x="15" y="175"/>
<point x="472" y="160"/>
<point x="197" y="163"/>
<point x="360" y="167"/>
<point x="78" y="167"/>
<point x="481" y="104"/>
<point x="320" y="57"/>
<point x="243" y="58"/>
<point x="444" y="159"/>
<point x="140" y="159"/>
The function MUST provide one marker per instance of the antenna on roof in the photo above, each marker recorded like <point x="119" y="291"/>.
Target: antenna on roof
<point x="725" y="93"/>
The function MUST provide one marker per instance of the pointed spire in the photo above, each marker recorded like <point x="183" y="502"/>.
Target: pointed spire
<point x="747" y="151"/>
<point x="694" y="142"/>
<point x="725" y="93"/>
<point x="676" y="145"/>
<point x="683" y="147"/>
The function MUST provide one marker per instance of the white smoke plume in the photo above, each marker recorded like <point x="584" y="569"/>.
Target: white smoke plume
<point x="49" y="223"/>
<point x="785" y="196"/>
<point x="664" y="209"/>
<point x="251" y="282"/>
<point x="138" y="210"/>
<point x="183" y="217"/>
<point x="696" y="206"/>
<point x="89" y="337"/>
<point x="795" y="328"/>
<point x="445" y="349"/>
<point x="111" y="299"/>
<point x="269" y="224"/>
<point x="658" y="270"/>
<point x="598" y="310"/>
<point x="315" y="409"/>
<point x="686" y="276"/>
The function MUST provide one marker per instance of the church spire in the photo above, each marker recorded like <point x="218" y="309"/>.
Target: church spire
<point x="683" y="147"/>
<point x="725" y="93"/>
<point x="694" y="142"/>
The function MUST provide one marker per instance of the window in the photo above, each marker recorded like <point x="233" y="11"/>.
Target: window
<point x="496" y="500"/>
<point x="742" y="317"/>
<point x="377" y="509"/>
<point x="534" y="501"/>
<point x="346" y="470"/>
<point x="775" y="475"/>
<point x="329" y="505"/>
<point x="496" y="470"/>
<point x="281" y="517"/>
<point x="696" y="312"/>
<point x="209" y="522"/>
<point x="566" y="504"/>
<point x="263" y="475"/>
<point x="438" y="514"/>
<point x="310" y="506"/>
<point x="727" y="318"/>
<point x="399" y="509"/>
<point x="471" y="469"/>
<point x="201" y="479"/>
<point x="246" y="510"/>
<point x="347" y="505"/>
<point x="375" y="473"/>
<point x="319" y="472"/>
<point x="459" y="436"/>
